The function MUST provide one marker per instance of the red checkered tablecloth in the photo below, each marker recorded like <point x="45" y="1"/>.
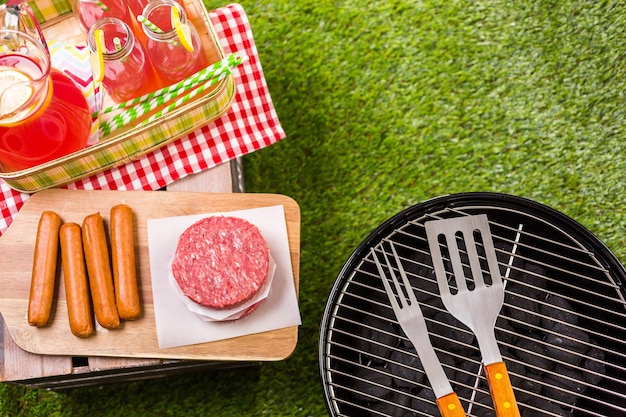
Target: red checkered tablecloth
<point x="250" y="124"/>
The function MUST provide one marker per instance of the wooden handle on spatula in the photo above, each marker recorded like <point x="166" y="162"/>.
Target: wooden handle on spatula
<point x="450" y="406"/>
<point x="501" y="390"/>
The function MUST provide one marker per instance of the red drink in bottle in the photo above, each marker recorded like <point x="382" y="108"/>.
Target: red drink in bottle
<point x="137" y="6"/>
<point x="128" y="72"/>
<point x="172" y="61"/>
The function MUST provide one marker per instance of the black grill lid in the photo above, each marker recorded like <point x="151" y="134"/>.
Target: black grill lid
<point x="561" y="330"/>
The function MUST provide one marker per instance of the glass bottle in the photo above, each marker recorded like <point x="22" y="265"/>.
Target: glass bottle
<point x="172" y="61"/>
<point x="127" y="71"/>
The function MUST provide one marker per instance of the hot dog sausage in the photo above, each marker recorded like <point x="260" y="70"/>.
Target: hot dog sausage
<point x="43" y="276"/>
<point x="75" y="278"/>
<point x="99" y="271"/>
<point x="123" y="260"/>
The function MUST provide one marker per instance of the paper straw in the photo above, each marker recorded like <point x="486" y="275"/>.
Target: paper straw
<point x="103" y="6"/>
<point x="152" y="101"/>
<point x="211" y="71"/>
<point x="204" y="74"/>
<point x="117" y="44"/>
<point x="141" y="109"/>
<point x="184" y="98"/>
<point x="149" y="24"/>
<point x="98" y="3"/>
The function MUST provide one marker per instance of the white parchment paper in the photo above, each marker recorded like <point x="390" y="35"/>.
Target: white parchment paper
<point x="177" y="326"/>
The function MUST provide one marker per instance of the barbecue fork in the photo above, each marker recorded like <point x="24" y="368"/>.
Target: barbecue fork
<point x="411" y="319"/>
<point x="477" y="308"/>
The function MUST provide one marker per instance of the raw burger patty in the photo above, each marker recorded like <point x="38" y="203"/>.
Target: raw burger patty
<point x="221" y="262"/>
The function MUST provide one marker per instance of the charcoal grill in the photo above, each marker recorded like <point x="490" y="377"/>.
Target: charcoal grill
<point x="562" y="329"/>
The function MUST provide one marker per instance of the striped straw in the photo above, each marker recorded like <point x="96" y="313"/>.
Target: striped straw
<point x="182" y="100"/>
<point x="154" y="100"/>
<point x="141" y="109"/>
<point x="101" y="5"/>
<point x="117" y="44"/>
<point x="98" y="3"/>
<point x="149" y="24"/>
<point x="204" y="74"/>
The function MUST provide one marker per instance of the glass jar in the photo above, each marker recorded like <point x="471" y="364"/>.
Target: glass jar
<point x="127" y="71"/>
<point x="172" y="61"/>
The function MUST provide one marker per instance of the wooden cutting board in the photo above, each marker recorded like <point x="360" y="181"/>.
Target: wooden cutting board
<point x="136" y="338"/>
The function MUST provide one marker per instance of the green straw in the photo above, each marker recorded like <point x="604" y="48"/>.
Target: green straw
<point x="117" y="44"/>
<point x="124" y="118"/>
<point x="202" y="80"/>
<point x="149" y="24"/>
<point x="98" y="3"/>
<point x="103" y="6"/>
<point x="204" y="74"/>
<point x="182" y="100"/>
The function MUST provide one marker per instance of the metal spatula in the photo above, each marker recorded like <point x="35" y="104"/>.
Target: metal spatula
<point x="474" y="294"/>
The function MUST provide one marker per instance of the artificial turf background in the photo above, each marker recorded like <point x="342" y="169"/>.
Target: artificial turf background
<point x="386" y="104"/>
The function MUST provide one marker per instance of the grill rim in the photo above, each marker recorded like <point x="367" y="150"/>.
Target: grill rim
<point x="557" y="219"/>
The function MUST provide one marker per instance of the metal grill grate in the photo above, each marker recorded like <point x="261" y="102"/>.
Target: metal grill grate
<point x="561" y="330"/>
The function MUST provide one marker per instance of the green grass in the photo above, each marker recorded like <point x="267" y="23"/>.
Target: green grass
<point x="388" y="104"/>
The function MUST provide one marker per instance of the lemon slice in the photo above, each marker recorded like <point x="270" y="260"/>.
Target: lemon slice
<point x="182" y="30"/>
<point x="97" y="58"/>
<point x="20" y="93"/>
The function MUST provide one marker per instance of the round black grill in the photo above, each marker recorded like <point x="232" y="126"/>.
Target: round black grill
<point x="561" y="330"/>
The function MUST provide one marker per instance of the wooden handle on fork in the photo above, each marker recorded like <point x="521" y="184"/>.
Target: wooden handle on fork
<point x="450" y="406"/>
<point x="502" y="394"/>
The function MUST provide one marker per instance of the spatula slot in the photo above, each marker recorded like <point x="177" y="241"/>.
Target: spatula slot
<point x="482" y="257"/>
<point x="447" y="264"/>
<point x="461" y="248"/>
